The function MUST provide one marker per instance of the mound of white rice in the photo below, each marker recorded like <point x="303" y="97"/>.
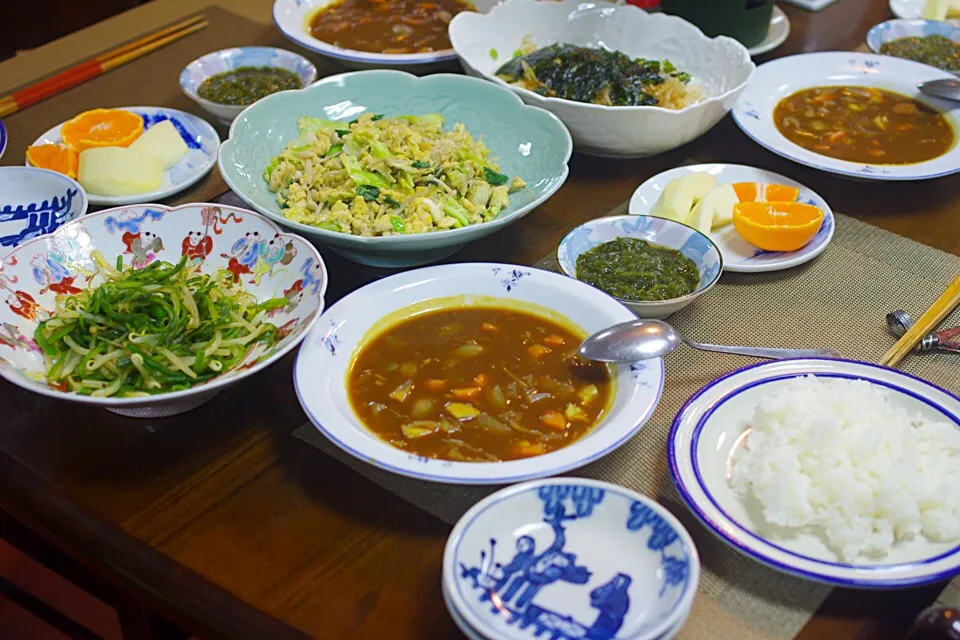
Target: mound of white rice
<point x="840" y="457"/>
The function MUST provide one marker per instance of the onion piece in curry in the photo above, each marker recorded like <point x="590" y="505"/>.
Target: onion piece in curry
<point x="478" y="384"/>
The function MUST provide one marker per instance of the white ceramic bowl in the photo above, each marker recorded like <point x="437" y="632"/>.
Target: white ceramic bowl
<point x="884" y="32"/>
<point x="623" y="565"/>
<point x="709" y="429"/>
<point x="721" y="65"/>
<point x="783" y="77"/>
<point x="667" y="233"/>
<point x="34" y="202"/>
<point x="326" y="356"/>
<point x="211" y="64"/>
<point x="292" y="18"/>
<point x="911" y="10"/>
<point x="271" y="264"/>
<point x="738" y="254"/>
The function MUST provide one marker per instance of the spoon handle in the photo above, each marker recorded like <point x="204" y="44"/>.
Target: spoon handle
<point x="761" y="352"/>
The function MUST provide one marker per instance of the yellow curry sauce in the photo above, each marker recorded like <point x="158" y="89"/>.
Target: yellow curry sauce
<point x="863" y="124"/>
<point x="386" y="26"/>
<point x="477" y="384"/>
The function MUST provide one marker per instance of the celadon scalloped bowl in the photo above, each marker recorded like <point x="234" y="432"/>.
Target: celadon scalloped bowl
<point x="721" y="66"/>
<point x="526" y="141"/>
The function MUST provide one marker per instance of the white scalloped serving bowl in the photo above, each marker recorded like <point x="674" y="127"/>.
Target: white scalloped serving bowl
<point x="721" y="65"/>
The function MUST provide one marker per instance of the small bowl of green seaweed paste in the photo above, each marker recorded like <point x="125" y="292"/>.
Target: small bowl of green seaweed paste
<point x="228" y="81"/>
<point x="652" y="265"/>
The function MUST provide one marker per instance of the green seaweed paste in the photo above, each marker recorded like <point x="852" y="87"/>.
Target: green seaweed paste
<point x="246" y="85"/>
<point x="632" y="269"/>
<point x="937" y="51"/>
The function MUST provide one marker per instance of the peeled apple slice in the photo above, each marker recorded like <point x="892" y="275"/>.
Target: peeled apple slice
<point x="714" y="210"/>
<point x="119" y="171"/>
<point x="162" y="141"/>
<point x="680" y="195"/>
<point x="935" y="10"/>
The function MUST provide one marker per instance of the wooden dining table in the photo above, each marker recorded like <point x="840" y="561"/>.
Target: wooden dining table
<point x="222" y="521"/>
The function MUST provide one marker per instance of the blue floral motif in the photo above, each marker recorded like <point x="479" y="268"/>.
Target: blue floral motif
<point x="41" y="217"/>
<point x="330" y="340"/>
<point x="662" y="537"/>
<point x="515" y="275"/>
<point x="583" y="498"/>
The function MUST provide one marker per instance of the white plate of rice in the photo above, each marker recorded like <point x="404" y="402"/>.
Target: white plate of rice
<point x="832" y="470"/>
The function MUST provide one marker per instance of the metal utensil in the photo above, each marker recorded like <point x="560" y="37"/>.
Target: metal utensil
<point x="645" y="339"/>
<point x="899" y="322"/>
<point x="946" y="88"/>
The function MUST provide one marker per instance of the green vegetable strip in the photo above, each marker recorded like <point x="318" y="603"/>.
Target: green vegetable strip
<point x="153" y="330"/>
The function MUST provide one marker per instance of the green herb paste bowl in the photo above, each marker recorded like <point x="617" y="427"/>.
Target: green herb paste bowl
<point x="525" y="141"/>
<point x="659" y="231"/>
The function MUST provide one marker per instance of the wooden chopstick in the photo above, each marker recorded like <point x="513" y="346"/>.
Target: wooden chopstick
<point x="933" y="316"/>
<point x="85" y="71"/>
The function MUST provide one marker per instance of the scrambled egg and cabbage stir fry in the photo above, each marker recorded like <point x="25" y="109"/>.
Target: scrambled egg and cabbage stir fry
<point x="381" y="176"/>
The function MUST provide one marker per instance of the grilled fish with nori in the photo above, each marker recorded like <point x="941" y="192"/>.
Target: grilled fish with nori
<point x="590" y="75"/>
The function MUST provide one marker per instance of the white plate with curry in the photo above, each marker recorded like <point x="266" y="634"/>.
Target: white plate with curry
<point x="467" y="374"/>
<point x="853" y="114"/>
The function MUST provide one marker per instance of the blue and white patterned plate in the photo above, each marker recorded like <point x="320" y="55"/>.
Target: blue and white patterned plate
<point x="570" y="558"/>
<point x="327" y="354"/>
<point x="896" y="29"/>
<point x="711" y="426"/>
<point x="202" y="142"/>
<point x="780" y="78"/>
<point x="738" y="255"/>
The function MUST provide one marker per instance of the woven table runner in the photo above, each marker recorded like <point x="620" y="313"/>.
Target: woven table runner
<point x="838" y="300"/>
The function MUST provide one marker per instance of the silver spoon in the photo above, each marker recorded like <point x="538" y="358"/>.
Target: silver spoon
<point x="645" y="339"/>
<point x="946" y="88"/>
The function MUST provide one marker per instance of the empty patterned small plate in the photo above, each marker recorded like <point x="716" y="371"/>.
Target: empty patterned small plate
<point x="570" y="558"/>
<point x="737" y="254"/>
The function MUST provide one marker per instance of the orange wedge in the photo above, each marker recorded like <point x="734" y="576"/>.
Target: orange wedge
<point x="777" y="226"/>
<point x="765" y="192"/>
<point x="102" y="128"/>
<point x="56" y="157"/>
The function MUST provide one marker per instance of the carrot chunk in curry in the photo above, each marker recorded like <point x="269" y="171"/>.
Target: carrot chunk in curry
<point x="386" y="26"/>
<point x="477" y="385"/>
<point x="863" y="124"/>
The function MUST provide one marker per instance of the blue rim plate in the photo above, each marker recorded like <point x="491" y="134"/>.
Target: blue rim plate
<point x="707" y="431"/>
<point x="783" y="77"/>
<point x="738" y="255"/>
<point x="3" y="138"/>
<point x="202" y="142"/>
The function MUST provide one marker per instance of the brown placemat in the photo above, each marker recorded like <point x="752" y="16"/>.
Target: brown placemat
<point x="838" y="300"/>
<point x="153" y="80"/>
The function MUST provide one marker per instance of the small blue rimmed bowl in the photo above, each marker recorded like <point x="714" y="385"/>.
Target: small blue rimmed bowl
<point x="211" y="64"/>
<point x="661" y="231"/>
<point x="896" y="29"/>
<point x="3" y="138"/>
<point x="34" y="202"/>
<point x="575" y="558"/>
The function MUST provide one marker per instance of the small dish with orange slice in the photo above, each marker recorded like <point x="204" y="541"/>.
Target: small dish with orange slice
<point x="760" y="220"/>
<point x="129" y="155"/>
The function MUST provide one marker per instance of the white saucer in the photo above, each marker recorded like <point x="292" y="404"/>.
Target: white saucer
<point x="737" y="254"/>
<point x="776" y="36"/>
